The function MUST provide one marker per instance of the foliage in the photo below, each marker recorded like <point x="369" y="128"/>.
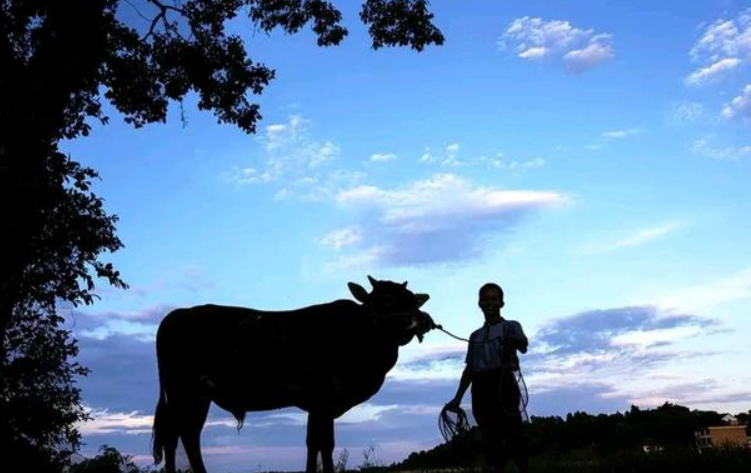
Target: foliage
<point x="341" y="462"/>
<point x="40" y="400"/>
<point x="579" y="437"/>
<point x="370" y="461"/>
<point x="464" y="451"/>
<point x="671" y="460"/>
<point x="38" y="393"/>
<point x="76" y="231"/>
<point x="109" y="460"/>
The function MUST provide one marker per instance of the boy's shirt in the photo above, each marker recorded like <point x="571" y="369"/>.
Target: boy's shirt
<point x="485" y="350"/>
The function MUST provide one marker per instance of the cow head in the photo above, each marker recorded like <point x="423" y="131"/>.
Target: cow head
<point x="395" y="309"/>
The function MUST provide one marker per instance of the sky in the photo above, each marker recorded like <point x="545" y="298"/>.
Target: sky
<point x="592" y="157"/>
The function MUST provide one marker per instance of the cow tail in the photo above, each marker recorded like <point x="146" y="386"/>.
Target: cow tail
<point x="160" y="428"/>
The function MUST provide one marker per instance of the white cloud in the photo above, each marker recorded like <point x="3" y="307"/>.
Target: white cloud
<point x="730" y="153"/>
<point x="534" y="52"/>
<point x="447" y="157"/>
<point x="635" y="238"/>
<point x="442" y="195"/>
<point x="326" y="186"/>
<point x="289" y="152"/>
<point x="440" y="219"/>
<point x="644" y="338"/>
<point x="104" y="422"/>
<point x="725" y="45"/>
<point x="365" y="413"/>
<point x="708" y="294"/>
<point x="577" y="49"/>
<point x="319" y="154"/>
<point x="725" y="39"/>
<point x="707" y="74"/>
<point x="740" y="106"/>
<point x="250" y="175"/>
<point x="616" y="134"/>
<point x="580" y="60"/>
<point x="685" y="111"/>
<point x="282" y="194"/>
<point x="362" y="260"/>
<point x="378" y="157"/>
<point x="342" y="237"/>
<point x="499" y="163"/>
<point x="359" y="414"/>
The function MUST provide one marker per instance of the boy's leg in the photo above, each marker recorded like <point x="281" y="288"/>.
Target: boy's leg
<point x="517" y="444"/>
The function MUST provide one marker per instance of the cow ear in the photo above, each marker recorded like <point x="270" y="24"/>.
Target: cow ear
<point x="404" y="284"/>
<point x="421" y="299"/>
<point x="359" y="292"/>
<point x="372" y="280"/>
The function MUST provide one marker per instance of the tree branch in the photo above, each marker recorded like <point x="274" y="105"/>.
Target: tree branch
<point x="162" y="15"/>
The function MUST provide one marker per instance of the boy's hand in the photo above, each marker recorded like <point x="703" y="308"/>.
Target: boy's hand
<point x="453" y="404"/>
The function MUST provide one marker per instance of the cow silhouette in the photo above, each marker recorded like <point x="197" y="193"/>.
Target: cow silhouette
<point x="324" y="359"/>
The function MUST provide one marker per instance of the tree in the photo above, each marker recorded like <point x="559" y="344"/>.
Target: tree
<point x="109" y="460"/>
<point x="39" y="400"/>
<point x="58" y="62"/>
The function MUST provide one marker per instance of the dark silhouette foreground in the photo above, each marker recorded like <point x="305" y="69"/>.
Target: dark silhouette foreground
<point x="492" y="370"/>
<point x="324" y="359"/>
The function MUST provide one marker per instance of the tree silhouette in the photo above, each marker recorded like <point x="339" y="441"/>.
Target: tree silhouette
<point x="60" y="60"/>
<point x="39" y="400"/>
<point x="670" y="426"/>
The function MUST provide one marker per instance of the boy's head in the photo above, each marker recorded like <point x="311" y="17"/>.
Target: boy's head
<point x="490" y="298"/>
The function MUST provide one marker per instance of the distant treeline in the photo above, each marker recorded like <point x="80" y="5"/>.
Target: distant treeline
<point x="669" y="426"/>
<point x="578" y="443"/>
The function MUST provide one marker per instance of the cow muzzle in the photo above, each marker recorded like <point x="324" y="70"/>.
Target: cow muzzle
<point x="423" y="323"/>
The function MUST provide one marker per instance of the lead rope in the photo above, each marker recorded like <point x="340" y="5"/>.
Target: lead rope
<point x="454" y="421"/>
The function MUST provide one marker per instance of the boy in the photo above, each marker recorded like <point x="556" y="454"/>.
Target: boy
<point x="491" y="362"/>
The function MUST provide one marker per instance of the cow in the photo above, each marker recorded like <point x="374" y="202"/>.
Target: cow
<point x="324" y="359"/>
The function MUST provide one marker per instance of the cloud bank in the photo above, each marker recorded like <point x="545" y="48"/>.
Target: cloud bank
<point x="724" y="48"/>
<point x="437" y="220"/>
<point x="290" y="153"/>
<point x="577" y="49"/>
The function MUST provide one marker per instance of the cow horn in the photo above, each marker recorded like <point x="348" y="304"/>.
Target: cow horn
<point x="373" y="282"/>
<point x="404" y="284"/>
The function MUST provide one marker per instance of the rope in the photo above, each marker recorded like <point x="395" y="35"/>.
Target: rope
<point x="465" y="339"/>
<point x="451" y="426"/>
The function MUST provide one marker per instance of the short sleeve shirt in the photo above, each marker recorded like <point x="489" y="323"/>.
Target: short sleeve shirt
<point x="486" y="344"/>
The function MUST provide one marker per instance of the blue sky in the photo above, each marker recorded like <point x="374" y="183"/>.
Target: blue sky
<point x="592" y="157"/>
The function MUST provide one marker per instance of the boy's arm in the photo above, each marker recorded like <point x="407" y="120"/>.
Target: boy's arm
<point x="519" y="338"/>
<point x="463" y="385"/>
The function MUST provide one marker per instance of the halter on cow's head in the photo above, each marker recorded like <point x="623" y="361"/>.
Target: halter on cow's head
<point x="395" y="309"/>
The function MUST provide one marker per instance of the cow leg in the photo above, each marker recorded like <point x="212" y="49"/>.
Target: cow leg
<point x="312" y="442"/>
<point x="327" y="443"/>
<point x="320" y="440"/>
<point x="170" y="448"/>
<point x="192" y="417"/>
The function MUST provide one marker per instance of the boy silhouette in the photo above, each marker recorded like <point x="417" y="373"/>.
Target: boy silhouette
<point x="490" y="365"/>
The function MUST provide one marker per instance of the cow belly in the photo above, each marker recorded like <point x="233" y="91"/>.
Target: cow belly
<point x="334" y="393"/>
<point x="260" y="396"/>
